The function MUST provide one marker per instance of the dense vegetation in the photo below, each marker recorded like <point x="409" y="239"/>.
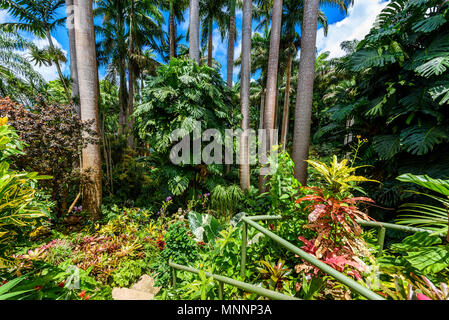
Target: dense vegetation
<point x="92" y="201"/>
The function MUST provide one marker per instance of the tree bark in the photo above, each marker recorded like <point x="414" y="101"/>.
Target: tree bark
<point x="130" y="119"/>
<point x="231" y="43"/>
<point x="210" y="43"/>
<point x="304" y="100"/>
<point x="194" y="33"/>
<point x="284" y="130"/>
<point x="172" y="31"/>
<point x="272" y="73"/>
<point x="88" y="84"/>
<point x="74" y="93"/>
<point x="123" y="94"/>
<point x="245" y="93"/>
<point x="58" y="66"/>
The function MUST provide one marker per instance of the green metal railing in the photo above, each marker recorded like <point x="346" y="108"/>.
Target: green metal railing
<point x="383" y="226"/>
<point x="251" y="221"/>
<point x="239" y="284"/>
<point x="355" y="286"/>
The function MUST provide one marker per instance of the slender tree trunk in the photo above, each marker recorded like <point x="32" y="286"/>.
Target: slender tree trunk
<point x="272" y="73"/>
<point x="130" y="119"/>
<point x="88" y="79"/>
<point x="262" y="108"/>
<point x="231" y="43"/>
<point x="122" y="97"/>
<point x="261" y="115"/>
<point x="172" y="31"/>
<point x="58" y="67"/>
<point x="284" y="129"/>
<point x="74" y="93"/>
<point x="209" y="44"/>
<point x="194" y="33"/>
<point x="304" y="100"/>
<point x="245" y="93"/>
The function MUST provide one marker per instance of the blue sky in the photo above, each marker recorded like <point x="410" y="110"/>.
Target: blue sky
<point x="355" y="25"/>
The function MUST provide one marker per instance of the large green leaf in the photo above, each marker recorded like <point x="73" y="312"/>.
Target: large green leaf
<point x="437" y="185"/>
<point x="416" y="242"/>
<point x="387" y="146"/>
<point x="204" y="226"/>
<point x="429" y="260"/>
<point x="421" y="140"/>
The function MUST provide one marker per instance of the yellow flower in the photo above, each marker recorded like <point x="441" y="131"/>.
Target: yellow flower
<point x="359" y="136"/>
<point x="3" y="121"/>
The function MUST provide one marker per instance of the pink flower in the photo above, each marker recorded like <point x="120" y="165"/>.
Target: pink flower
<point x="421" y="296"/>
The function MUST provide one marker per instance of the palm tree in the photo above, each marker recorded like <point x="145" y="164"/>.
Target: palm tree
<point x="304" y="99"/>
<point x="194" y="33"/>
<point x="89" y="93"/>
<point x="231" y="43"/>
<point x="245" y="92"/>
<point x="211" y="11"/>
<point x="74" y="92"/>
<point x="176" y="15"/>
<point x="272" y="80"/>
<point x="144" y="21"/>
<point x="290" y="43"/>
<point x="18" y="80"/>
<point x="112" y="47"/>
<point x="39" y="17"/>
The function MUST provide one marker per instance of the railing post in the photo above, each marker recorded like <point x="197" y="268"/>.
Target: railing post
<point x="220" y="290"/>
<point x="244" y="243"/>
<point x="173" y="277"/>
<point x="381" y="240"/>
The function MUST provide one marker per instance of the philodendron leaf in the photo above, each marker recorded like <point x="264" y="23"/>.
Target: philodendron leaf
<point x="437" y="185"/>
<point x="205" y="227"/>
<point x="416" y="242"/>
<point x="429" y="260"/>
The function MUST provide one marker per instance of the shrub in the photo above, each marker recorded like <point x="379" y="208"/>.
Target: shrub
<point x="179" y="248"/>
<point x="17" y="191"/>
<point x="181" y="94"/>
<point x="54" y="136"/>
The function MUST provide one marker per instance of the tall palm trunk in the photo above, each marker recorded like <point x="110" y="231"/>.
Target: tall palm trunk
<point x="58" y="66"/>
<point x="88" y="84"/>
<point x="231" y="42"/>
<point x="261" y="115"/>
<point x="245" y="93"/>
<point x="74" y="92"/>
<point x="194" y="31"/>
<point x="172" y="31"/>
<point x="304" y="100"/>
<point x="210" y="45"/>
<point x="131" y="68"/>
<point x="123" y="94"/>
<point x="284" y="129"/>
<point x="272" y="72"/>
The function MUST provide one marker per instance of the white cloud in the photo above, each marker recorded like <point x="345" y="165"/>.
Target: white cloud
<point x="356" y="26"/>
<point x="3" y="16"/>
<point x="49" y="73"/>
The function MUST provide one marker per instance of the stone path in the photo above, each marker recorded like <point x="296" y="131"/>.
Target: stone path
<point x="144" y="289"/>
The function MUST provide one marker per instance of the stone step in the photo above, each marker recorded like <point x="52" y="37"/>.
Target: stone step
<point x="130" y="294"/>
<point x="143" y="289"/>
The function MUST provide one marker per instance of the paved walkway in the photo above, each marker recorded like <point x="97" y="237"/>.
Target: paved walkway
<point x="144" y="289"/>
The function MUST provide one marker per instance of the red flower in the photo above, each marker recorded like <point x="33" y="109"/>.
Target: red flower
<point x="37" y="288"/>
<point x="82" y="294"/>
<point x="87" y="298"/>
<point x="160" y="243"/>
<point x="4" y="282"/>
<point x="61" y="284"/>
<point x="421" y="296"/>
